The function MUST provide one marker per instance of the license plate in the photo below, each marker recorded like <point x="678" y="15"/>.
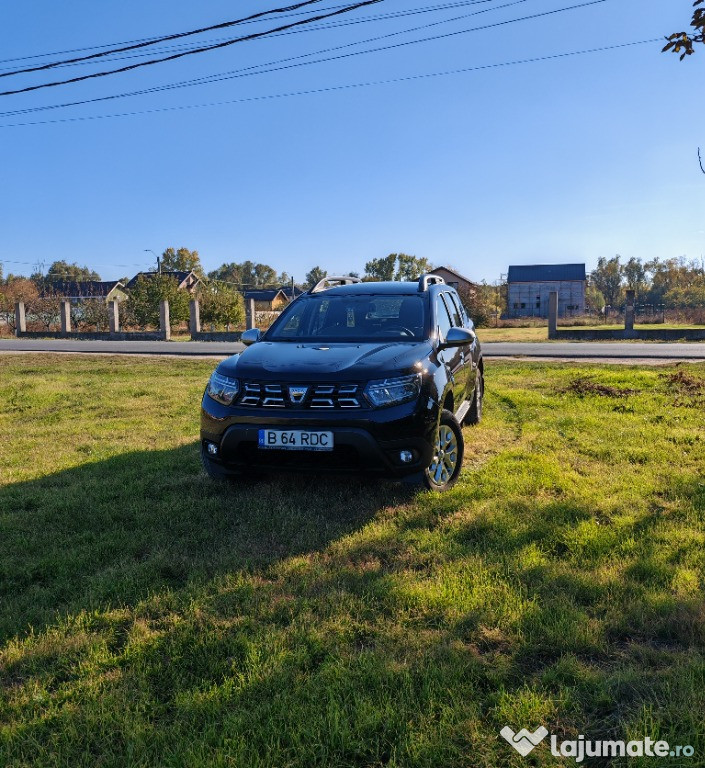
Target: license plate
<point x="295" y="440"/>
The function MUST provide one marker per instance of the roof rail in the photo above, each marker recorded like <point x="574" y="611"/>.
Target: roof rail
<point x="332" y="282"/>
<point x="426" y="280"/>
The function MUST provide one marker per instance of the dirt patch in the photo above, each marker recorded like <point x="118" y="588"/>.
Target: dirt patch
<point x="685" y="382"/>
<point x="583" y="386"/>
<point x="689" y="391"/>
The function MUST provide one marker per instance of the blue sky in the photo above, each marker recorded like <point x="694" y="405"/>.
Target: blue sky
<point x="567" y="159"/>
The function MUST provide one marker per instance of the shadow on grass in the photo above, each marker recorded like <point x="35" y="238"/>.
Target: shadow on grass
<point x="110" y="533"/>
<point x="406" y="643"/>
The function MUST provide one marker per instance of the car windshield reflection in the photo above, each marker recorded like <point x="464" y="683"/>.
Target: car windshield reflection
<point x="351" y="318"/>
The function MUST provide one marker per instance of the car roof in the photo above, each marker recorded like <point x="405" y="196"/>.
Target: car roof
<point x="398" y="288"/>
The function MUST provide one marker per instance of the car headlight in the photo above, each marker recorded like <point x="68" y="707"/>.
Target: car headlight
<point x="393" y="391"/>
<point x="222" y="389"/>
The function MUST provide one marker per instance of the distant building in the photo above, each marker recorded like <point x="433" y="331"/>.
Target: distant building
<point x="187" y="281"/>
<point x="455" y="279"/>
<point x="290" y="292"/>
<point x="268" y="299"/>
<point x="109" y="290"/>
<point x="272" y="299"/>
<point x="528" y="288"/>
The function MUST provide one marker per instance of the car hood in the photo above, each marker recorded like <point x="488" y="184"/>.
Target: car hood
<point x="330" y="361"/>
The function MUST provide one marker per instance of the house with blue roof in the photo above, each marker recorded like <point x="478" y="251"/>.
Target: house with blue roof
<point x="528" y="288"/>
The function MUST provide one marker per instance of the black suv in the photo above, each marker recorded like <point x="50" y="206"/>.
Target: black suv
<point x="352" y="376"/>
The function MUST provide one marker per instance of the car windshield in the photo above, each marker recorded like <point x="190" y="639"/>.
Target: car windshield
<point x="357" y="318"/>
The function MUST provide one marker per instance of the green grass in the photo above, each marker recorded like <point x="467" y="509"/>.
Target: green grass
<point x="538" y="333"/>
<point x="150" y="617"/>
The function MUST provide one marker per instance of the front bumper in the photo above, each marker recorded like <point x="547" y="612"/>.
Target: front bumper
<point x="368" y="441"/>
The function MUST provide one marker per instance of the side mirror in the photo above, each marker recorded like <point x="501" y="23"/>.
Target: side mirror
<point x="458" y="337"/>
<point x="251" y="336"/>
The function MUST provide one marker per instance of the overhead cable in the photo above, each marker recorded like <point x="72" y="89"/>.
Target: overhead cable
<point x="203" y="49"/>
<point x="333" y="88"/>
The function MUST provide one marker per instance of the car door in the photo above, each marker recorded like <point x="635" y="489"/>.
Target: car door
<point x="460" y="319"/>
<point x="452" y="357"/>
<point x="471" y="351"/>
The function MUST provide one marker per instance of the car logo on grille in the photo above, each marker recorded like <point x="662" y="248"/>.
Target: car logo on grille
<point x="297" y="394"/>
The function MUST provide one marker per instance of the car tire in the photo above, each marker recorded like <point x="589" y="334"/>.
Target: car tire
<point x="444" y="469"/>
<point x="474" y="415"/>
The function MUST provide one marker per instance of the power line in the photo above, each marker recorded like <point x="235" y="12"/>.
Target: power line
<point x="164" y="39"/>
<point x="333" y="88"/>
<point x="246" y="71"/>
<point x="315" y="28"/>
<point x="203" y="49"/>
<point x="124" y="42"/>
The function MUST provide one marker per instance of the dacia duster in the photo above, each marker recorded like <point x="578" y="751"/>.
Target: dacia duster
<point x="372" y="377"/>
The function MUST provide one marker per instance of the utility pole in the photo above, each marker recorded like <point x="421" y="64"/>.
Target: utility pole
<point x="159" y="261"/>
<point x="502" y="277"/>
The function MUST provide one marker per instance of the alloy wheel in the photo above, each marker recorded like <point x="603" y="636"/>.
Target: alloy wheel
<point x="445" y="458"/>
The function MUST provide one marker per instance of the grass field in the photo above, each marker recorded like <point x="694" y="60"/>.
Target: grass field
<point x="149" y="617"/>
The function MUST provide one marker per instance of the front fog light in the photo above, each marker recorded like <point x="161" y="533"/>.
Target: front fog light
<point x="406" y="457"/>
<point x="212" y="449"/>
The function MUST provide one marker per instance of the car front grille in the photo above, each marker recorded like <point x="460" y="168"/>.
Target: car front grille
<point x="315" y="396"/>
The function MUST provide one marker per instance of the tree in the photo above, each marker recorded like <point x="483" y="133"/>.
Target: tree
<point x="410" y="267"/>
<point x="15" y="289"/>
<point x="607" y="278"/>
<point x="670" y="276"/>
<point x="90" y="313"/>
<point x="142" y="306"/>
<point x="315" y="276"/>
<point x="594" y="299"/>
<point x="256" y="275"/>
<point x="686" y="40"/>
<point x="248" y="274"/>
<point x="62" y="270"/>
<point x="635" y="276"/>
<point x="480" y="303"/>
<point x="221" y="304"/>
<point x="230" y="273"/>
<point x="44" y="310"/>
<point x="259" y="274"/>
<point x="687" y="296"/>
<point x="382" y="268"/>
<point x="182" y="260"/>
<point x="396" y="266"/>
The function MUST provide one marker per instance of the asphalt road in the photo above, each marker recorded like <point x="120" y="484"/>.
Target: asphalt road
<point x="557" y="350"/>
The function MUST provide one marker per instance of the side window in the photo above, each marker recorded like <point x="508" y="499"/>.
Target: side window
<point x="454" y="309"/>
<point x="442" y="318"/>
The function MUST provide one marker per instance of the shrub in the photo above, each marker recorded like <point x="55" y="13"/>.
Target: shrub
<point x="221" y="305"/>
